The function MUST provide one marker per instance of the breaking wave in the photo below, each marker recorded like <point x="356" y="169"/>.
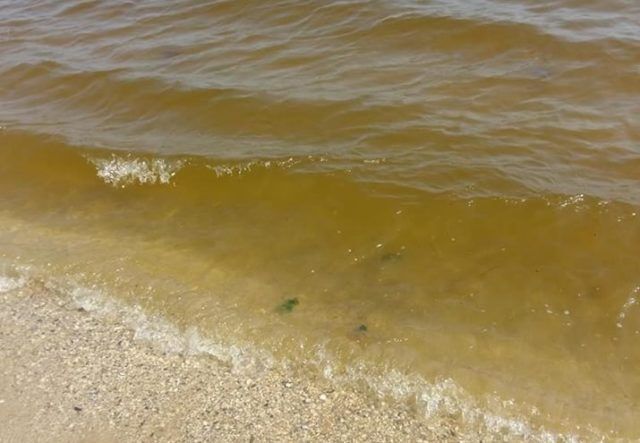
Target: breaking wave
<point x="122" y="171"/>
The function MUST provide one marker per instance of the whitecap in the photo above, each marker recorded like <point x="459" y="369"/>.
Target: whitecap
<point x="123" y="171"/>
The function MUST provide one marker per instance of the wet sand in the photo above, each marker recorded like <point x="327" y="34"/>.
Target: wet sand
<point x="68" y="375"/>
<point x="450" y="189"/>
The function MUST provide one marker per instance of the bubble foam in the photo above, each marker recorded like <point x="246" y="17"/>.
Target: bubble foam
<point x="119" y="171"/>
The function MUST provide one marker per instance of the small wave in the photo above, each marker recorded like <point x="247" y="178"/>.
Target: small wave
<point x="242" y="168"/>
<point x="160" y="332"/>
<point x="445" y="400"/>
<point x="118" y="171"/>
<point x="438" y="401"/>
<point x="574" y="200"/>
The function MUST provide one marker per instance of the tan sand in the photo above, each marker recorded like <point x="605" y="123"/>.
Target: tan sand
<point x="68" y="375"/>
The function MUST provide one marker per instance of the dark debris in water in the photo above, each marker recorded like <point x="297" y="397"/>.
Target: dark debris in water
<point x="288" y="305"/>
<point x="362" y="328"/>
<point x="391" y="256"/>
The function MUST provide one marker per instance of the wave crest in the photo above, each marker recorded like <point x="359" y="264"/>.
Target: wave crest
<point x="242" y="168"/>
<point x="118" y="171"/>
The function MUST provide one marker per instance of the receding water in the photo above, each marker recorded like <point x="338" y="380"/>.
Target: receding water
<point x="443" y="191"/>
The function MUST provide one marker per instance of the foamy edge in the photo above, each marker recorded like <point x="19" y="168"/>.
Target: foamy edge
<point x="433" y="400"/>
<point x="123" y="171"/>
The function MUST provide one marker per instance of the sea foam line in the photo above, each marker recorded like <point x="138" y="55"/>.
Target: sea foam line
<point x="435" y="400"/>
<point x="444" y="398"/>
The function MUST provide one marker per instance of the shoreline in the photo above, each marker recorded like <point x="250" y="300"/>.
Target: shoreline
<point x="69" y="375"/>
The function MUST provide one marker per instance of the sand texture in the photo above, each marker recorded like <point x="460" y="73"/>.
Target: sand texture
<point x="69" y="375"/>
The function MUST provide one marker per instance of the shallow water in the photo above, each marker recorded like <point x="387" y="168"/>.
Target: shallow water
<point x="450" y="190"/>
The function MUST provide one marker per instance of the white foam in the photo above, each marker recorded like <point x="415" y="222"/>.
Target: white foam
<point x="122" y="171"/>
<point x="628" y="304"/>
<point x="165" y="335"/>
<point x="242" y="168"/>
<point x="445" y="398"/>
<point x="574" y="200"/>
<point x="11" y="283"/>
<point x="434" y="400"/>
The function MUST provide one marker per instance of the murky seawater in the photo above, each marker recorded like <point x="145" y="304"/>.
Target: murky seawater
<point x="440" y="198"/>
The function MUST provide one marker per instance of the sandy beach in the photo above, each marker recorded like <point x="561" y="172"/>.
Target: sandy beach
<point x="320" y="221"/>
<point x="68" y="375"/>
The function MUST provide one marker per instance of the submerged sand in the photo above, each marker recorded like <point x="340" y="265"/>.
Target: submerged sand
<point x="69" y="375"/>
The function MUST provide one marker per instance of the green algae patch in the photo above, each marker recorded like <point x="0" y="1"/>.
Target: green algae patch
<point x="288" y="305"/>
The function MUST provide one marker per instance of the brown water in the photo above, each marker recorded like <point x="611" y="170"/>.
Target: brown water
<point x="449" y="189"/>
